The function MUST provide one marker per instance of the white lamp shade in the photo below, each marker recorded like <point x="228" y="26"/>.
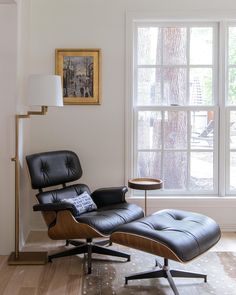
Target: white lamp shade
<point x="45" y="90"/>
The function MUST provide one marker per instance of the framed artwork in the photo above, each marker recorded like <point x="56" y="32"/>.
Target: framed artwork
<point x="80" y="73"/>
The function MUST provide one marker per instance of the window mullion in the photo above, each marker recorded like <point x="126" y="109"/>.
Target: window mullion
<point x="222" y="173"/>
<point x="162" y="112"/>
<point x="227" y="151"/>
<point x="188" y="63"/>
<point x="188" y="112"/>
<point x="135" y="139"/>
<point x="162" y="143"/>
<point x="188" y="149"/>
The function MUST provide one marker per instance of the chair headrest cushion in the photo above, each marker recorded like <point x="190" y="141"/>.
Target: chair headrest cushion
<point x="53" y="168"/>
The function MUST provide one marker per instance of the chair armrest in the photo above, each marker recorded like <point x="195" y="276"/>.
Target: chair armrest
<point x="55" y="207"/>
<point x="109" y="196"/>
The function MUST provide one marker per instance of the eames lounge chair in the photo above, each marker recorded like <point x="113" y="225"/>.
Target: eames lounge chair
<point x="72" y="211"/>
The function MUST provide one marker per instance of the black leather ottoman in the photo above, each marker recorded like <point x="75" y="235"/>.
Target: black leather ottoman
<point x="172" y="234"/>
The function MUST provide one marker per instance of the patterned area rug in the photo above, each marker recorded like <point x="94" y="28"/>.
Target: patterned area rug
<point x="108" y="275"/>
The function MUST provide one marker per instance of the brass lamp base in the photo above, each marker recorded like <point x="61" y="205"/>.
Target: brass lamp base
<point x="28" y="258"/>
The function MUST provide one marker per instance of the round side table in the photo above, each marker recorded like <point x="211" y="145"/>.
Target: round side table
<point x="145" y="184"/>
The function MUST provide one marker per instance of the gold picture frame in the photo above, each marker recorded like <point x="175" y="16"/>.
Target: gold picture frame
<point x="80" y="73"/>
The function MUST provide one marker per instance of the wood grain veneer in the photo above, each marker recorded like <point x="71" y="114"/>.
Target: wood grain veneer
<point x="67" y="227"/>
<point x="144" y="244"/>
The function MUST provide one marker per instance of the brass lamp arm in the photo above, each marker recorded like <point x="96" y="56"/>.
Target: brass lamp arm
<point x="15" y="256"/>
<point x="17" y="117"/>
<point x="43" y="111"/>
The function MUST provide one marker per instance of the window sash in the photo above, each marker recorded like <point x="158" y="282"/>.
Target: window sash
<point x="163" y="108"/>
<point x="188" y="67"/>
<point x="188" y="150"/>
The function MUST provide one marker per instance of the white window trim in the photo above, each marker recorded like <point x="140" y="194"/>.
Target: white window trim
<point x="227" y="114"/>
<point x="221" y="17"/>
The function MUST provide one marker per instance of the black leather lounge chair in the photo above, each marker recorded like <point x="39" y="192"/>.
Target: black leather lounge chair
<point x="63" y="210"/>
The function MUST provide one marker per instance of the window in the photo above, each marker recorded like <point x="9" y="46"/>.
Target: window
<point x="178" y="96"/>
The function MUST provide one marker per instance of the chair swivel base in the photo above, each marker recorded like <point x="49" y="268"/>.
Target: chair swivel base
<point x="166" y="272"/>
<point x="78" y="243"/>
<point x="88" y="248"/>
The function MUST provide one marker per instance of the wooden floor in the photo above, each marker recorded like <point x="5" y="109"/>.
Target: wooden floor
<point x="64" y="275"/>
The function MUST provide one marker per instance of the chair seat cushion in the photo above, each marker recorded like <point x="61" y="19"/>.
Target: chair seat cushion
<point x="187" y="234"/>
<point x="108" y="218"/>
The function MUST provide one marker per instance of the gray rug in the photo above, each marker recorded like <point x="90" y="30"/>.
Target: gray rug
<point x="108" y="275"/>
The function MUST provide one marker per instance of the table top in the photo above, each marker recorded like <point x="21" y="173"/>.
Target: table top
<point x="145" y="183"/>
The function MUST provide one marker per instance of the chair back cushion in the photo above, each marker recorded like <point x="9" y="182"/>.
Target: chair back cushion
<point x="53" y="168"/>
<point x="57" y="195"/>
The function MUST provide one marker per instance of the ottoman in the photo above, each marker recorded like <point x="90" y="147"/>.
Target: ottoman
<point x="172" y="234"/>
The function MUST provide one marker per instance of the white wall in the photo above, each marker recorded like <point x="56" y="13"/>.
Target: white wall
<point x="96" y="133"/>
<point x="7" y="111"/>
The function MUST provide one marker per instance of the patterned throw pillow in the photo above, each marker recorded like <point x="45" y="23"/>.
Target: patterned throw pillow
<point x="83" y="203"/>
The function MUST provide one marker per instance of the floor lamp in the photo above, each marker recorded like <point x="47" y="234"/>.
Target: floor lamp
<point x="44" y="91"/>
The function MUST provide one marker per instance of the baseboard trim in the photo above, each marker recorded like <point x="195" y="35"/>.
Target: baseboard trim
<point x="228" y="227"/>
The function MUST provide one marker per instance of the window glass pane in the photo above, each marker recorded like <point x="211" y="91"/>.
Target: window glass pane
<point x="149" y="87"/>
<point x="201" y="86"/>
<point x="174" y="86"/>
<point x="201" y="46"/>
<point x="202" y="129"/>
<point x="201" y="171"/>
<point x="232" y="47"/>
<point x="175" y="130"/>
<point x="149" y="46"/>
<point x="149" y="164"/>
<point x="175" y="170"/>
<point x="232" y="87"/>
<point x="233" y="129"/>
<point x="149" y="130"/>
<point x="174" y="46"/>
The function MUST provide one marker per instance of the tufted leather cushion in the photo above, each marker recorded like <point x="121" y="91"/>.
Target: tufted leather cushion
<point x="53" y="168"/>
<point x="57" y="195"/>
<point x="187" y="234"/>
<point x="106" y="219"/>
<point x="108" y="196"/>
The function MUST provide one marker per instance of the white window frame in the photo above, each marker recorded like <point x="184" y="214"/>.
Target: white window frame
<point x="228" y="109"/>
<point x="220" y="172"/>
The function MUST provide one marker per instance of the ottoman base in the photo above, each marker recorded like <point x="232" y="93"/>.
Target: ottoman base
<point x="166" y="272"/>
